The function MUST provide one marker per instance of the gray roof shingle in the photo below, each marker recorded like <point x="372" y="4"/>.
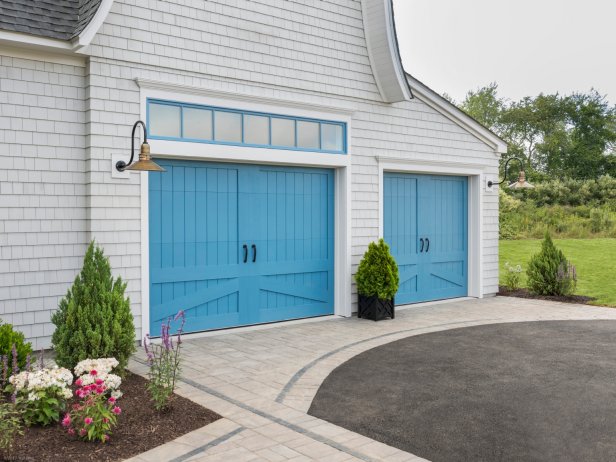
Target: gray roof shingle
<point x="58" y="19"/>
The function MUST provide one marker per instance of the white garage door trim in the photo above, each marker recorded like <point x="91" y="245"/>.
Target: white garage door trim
<point x="475" y="174"/>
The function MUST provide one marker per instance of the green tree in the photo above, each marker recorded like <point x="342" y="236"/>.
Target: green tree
<point x="94" y="319"/>
<point x="485" y="106"/>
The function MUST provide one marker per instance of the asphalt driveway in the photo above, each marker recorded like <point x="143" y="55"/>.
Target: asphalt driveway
<point x="525" y="391"/>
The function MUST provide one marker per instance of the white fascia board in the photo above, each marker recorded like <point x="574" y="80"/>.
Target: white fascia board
<point x="21" y="40"/>
<point x="382" y="44"/>
<point x="459" y="117"/>
<point x="87" y="34"/>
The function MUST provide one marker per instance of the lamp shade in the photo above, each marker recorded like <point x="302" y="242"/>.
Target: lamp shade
<point x="145" y="162"/>
<point x="521" y="183"/>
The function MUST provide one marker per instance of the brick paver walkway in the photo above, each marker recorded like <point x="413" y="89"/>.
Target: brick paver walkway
<point x="263" y="381"/>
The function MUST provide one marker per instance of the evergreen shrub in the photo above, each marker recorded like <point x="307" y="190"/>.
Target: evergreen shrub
<point x="549" y="272"/>
<point x="94" y="318"/>
<point x="377" y="274"/>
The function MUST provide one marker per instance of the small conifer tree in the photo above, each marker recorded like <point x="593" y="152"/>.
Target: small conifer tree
<point x="94" y="318"/>
<point x="549" y="272"/>
<point x="377" y="274"/>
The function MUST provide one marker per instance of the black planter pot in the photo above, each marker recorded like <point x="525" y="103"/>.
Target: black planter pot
<point x="374" y="308"/>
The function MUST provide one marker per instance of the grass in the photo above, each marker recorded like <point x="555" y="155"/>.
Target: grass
<point x="594" y="259"/>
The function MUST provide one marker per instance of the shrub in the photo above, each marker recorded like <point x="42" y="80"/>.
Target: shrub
<point x="10" y="427"/>
<point x="96" y="414"/>
<point x="94" y="319"/>
<point x="8" y="338"/>
<point x="41" y="394"/>
<point x="512" y="276"/>
<point x="549" y="272"/>
<point x="377" y="274"/>
<point x="164" y="361"/>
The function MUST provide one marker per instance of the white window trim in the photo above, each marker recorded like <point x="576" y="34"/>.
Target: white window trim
<point x="475" y="174"/>
<point x="241" y="154"/>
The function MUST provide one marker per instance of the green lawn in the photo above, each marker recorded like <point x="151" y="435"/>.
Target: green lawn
<point x="594" y="259"/>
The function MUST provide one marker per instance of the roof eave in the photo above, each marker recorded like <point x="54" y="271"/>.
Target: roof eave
<point x="75" y="45"/>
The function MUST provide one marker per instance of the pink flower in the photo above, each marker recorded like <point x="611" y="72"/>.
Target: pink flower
<point x="71" y="431"/>
<point x="88" y="420"/>
<point x="66" y="421"/>
<point x="111" y="400"/>
<point x="105" y="420"/>
<point x="93" y="372"/>
<point x="116" y="410"/>
<point x="82" y="432"/>
<point x="106" y="438"/>
<point x="99" y="381"/>
<point x="100" y="390"/>
<point x="78" y="382"/>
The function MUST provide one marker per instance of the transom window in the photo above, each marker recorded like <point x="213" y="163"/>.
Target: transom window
<point x="169" y="120"/>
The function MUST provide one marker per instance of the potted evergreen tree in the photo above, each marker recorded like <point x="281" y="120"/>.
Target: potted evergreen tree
<point x="377" y="282"/>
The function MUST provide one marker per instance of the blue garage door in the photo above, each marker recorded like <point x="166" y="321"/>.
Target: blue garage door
<point x="426" y="225"/>
<point x="236" y="245"/>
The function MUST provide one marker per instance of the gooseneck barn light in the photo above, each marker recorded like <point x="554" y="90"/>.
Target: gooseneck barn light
<point x="521" y="183"/>
<point x="145" y="162"/>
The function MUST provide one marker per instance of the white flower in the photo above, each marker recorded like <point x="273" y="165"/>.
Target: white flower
<point x="32" y="396"/>
<point x="100" y="365"/>
<point x="117" y="394"/>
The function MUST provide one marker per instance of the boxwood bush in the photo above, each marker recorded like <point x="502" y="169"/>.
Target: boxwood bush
<point x="8" y="338"/>
<point x="377" y="274"/>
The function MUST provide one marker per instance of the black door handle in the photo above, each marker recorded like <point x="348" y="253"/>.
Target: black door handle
<point x="428" y="247"/>
<point x="245" y="253"/>
<point x="422" y="244"/>
<point x="254" y="253"/>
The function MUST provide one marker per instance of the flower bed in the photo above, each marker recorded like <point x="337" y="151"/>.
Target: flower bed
<point x="139" y="428"/>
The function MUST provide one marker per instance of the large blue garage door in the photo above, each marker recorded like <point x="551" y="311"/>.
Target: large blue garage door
<point x="235" y="245"/>
<point x="425" y="221"/>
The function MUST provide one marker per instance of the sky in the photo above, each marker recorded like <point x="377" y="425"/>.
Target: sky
<point x="526" y="46"/>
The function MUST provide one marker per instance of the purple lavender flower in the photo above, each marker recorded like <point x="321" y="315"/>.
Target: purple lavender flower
<point x="5" y="369"/>
<point x="15" y="365"/>
<point x="28" y="359"/>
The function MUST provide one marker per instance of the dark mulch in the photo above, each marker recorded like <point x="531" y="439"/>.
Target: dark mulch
<point x="140" y="428"/>
<point x="524" y="293"/>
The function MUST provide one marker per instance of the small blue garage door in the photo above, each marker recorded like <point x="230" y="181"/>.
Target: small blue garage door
<point x="235" y="245"/>
<point x="425" y="221"/>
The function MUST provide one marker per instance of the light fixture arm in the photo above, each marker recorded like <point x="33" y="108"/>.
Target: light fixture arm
<point x="491" y="183"/>
<point x="121" y="165"/>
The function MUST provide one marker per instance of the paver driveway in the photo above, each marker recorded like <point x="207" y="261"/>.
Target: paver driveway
<point x="263" y="381"/>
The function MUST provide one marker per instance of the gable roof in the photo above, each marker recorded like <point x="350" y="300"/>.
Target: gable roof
<point x="54" y="19"/>
<point x="456" y="115"/>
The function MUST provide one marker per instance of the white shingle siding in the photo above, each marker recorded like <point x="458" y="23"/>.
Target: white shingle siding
<point x="57" y="191"/>
<point x="42" y="189"/>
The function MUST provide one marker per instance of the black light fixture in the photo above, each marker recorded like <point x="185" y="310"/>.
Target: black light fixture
<point x="521" y="183"/>
<point x="145" y="162"/>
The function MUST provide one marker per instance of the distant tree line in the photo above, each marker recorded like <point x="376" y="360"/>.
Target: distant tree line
<point x="571" y="136"/>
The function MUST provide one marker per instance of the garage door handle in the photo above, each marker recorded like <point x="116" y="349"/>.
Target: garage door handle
<point x="245" y="253"/>
<point x="254" y="253"/>
<point x="428" y="247"/>
<point x="422" y="245"/>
